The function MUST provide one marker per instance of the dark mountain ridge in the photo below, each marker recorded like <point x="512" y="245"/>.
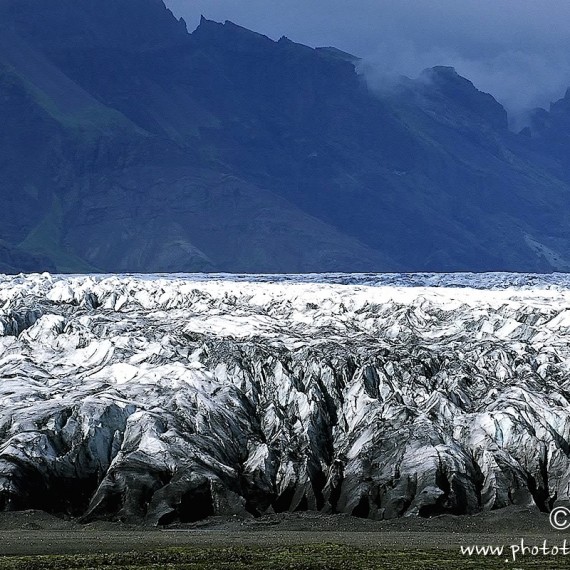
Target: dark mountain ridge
<point x="129" y="144"/>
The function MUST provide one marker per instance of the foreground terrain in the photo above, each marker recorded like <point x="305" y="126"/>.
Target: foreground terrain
<point x="167" y="399"/>
<point x="35" y="540"/>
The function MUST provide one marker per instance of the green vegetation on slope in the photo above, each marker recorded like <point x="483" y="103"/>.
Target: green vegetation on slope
<point x="46" y="239"/>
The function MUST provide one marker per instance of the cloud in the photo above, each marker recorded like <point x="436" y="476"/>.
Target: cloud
<point x="518" y="50"/>
<point x="518" y="79"/>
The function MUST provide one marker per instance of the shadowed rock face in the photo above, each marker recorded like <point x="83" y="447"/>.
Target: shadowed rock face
<point x="129" y="144"/>
<point x="163" y="399"/>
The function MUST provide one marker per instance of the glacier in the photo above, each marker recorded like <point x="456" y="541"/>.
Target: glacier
<point x="169" y="398"/>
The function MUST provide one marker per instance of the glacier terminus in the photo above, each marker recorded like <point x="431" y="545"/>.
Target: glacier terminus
<point x="169" y="398"/>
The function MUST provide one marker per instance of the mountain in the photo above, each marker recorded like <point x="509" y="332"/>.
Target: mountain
<point x="161" y="400"/>
<point x="129" y="144"/>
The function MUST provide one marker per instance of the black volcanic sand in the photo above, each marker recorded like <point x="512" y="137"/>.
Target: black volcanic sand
<point x="36" y="540"/>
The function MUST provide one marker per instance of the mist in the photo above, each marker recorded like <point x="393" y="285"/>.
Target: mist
<point x="517" y="50"/>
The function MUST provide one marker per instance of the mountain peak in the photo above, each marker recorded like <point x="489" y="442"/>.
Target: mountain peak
<point x="443" y="70"/>
<point x="338" y="54"/>
<point x="564" y="100"/>
<point x="444" y="74"/>
<point x="228" y="32"/>
<point x="206" y="23"/>
<point x="561" y="108"/>
<point x="447" y="83"/>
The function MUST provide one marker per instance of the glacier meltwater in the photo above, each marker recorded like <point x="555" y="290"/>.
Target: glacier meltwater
<point x="170" y="398"/>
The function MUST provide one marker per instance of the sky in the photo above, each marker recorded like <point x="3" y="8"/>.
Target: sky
<point x="517" y="50"/>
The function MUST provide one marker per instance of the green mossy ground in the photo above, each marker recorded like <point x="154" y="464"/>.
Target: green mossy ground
<point x="303" y="557"/>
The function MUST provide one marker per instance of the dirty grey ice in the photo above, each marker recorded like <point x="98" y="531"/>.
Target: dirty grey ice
<point x="162" y="398"/>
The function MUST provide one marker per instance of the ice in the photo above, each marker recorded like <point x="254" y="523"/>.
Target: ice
<point x="389" y="395"/>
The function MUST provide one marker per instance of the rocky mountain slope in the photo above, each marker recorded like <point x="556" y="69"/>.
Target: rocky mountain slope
<point x="129" y="144"/>
<point x="168" y="399"/>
